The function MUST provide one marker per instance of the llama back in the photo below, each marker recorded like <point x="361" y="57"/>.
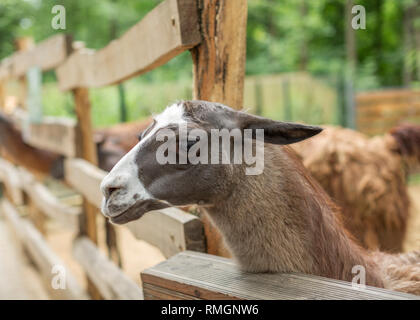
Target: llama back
<point x="400" y="272"/>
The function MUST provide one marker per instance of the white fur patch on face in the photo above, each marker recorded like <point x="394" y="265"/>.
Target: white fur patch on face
<point x="124" y="175"/>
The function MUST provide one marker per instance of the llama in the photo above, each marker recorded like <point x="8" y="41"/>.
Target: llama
<point x="367" y="177"/>
<point x="278" y="221"/>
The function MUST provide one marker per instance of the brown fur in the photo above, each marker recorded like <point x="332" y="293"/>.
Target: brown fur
<point x="13" y="148"/>
<point x="407" y="144"/>
<point x="366" y="177"/>
<point x="278" y="221"/>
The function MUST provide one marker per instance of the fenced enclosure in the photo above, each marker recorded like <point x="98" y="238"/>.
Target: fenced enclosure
<point x="218" y="61"/>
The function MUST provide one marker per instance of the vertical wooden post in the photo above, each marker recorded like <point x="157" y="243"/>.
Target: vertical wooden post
<point x="219" y="60"/>
<point x="219" y="70"/>
<point x="86" y="150"/>
<point x="23" y="44"/>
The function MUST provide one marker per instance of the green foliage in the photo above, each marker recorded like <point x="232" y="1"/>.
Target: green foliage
<point x="282" y="36"/>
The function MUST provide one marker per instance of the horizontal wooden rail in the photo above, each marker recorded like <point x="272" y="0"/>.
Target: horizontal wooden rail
<point x="54" y="134"/>
<point x="171" y="230"/>
<point x="9" y="175"/>
<point x="47" y="55"/>
<point x="166" y="31"/>
<point x="85" y="178"/>
<point x="111" y="282"/>
<point x="50" y="205"/>
<point x="191" y="275"/>
<point x="42" y="254"/>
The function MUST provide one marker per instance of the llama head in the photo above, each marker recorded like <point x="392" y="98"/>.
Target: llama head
<point x="180" y="160"/>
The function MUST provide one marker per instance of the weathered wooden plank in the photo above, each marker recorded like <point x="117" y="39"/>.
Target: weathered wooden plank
<point x="53" y="134"/>
<point x="85" y="178"/>
<point x="219" y="60"/>
<point x="11" y="179"/>
<point x="42" y="255"/>
<point x="219" y="70"/>
<point x="49" y="204"/>
<point x="162" y="34"/>
<point x="204" y="276"/>
<point x="111" y="282"/>
<point x="391" y="95"/>
<point x="47" y="55"/>
<point x="171" y="230"/>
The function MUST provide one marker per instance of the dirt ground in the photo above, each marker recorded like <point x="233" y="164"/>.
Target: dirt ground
<point x="18" y="278"/>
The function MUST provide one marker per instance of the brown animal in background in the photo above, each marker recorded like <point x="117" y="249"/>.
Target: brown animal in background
<point x="13" y="148"/>
<point x="111" y="147"/>
<point x="279" y="221"/>
<point x="367" y="177"/>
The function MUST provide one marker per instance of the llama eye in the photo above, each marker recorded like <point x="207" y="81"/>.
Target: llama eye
<point x="139" y="137"/>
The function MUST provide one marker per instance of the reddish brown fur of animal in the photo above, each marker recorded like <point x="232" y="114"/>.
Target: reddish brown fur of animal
<point x="17" y="151"/>
<point x="407" y="137"/>
<point x="367" y="178"/>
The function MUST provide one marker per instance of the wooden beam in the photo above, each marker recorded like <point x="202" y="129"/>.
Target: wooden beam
<point x="11" y="179"/>
<point x="165" y="32"/>
<point x="171" y="230"/>
<point x="111" y="282"/>
<point x="87" y="151"/>
<point x="48" y="204"/>
<point x="219" y="60"/>
<point x="219" y="71"/>
<point x="53" y="134"/>
<point x="6" y="68"/>
<point x="42" y="254"/>
<point x="47" y="55"/>
<point x="85" y="178"/>
<point x="192" y="275"/>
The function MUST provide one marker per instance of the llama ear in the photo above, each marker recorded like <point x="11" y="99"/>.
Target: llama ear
<point x="278" y="132"/>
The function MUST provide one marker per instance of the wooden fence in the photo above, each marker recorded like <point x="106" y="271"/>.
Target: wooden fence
<point x="214" y="32"/>
<point x="378" y="111"/>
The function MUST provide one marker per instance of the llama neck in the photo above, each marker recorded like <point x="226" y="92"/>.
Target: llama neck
<point x="282" y="221"/>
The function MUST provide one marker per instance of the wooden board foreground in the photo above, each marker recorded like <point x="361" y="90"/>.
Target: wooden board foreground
<point x="192" y="275"/>
<point x="110" y="280"/>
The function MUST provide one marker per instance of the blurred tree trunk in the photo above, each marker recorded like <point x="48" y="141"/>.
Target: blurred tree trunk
<point x="121" y="89"/>
<point x="416" y="33"/>
<point x="303" y="59"/>
<point x="407" y="47"/>
<point x="350" y="69"/>
<point x="377" y="40"/>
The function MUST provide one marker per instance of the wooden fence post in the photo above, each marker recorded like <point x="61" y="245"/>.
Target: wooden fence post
<point x="86" y="150"/>
<point x="23" y="44"/>
<point x="219" y="69"/>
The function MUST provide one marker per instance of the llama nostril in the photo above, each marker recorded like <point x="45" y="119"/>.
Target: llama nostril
<point x="110" y="190"/>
